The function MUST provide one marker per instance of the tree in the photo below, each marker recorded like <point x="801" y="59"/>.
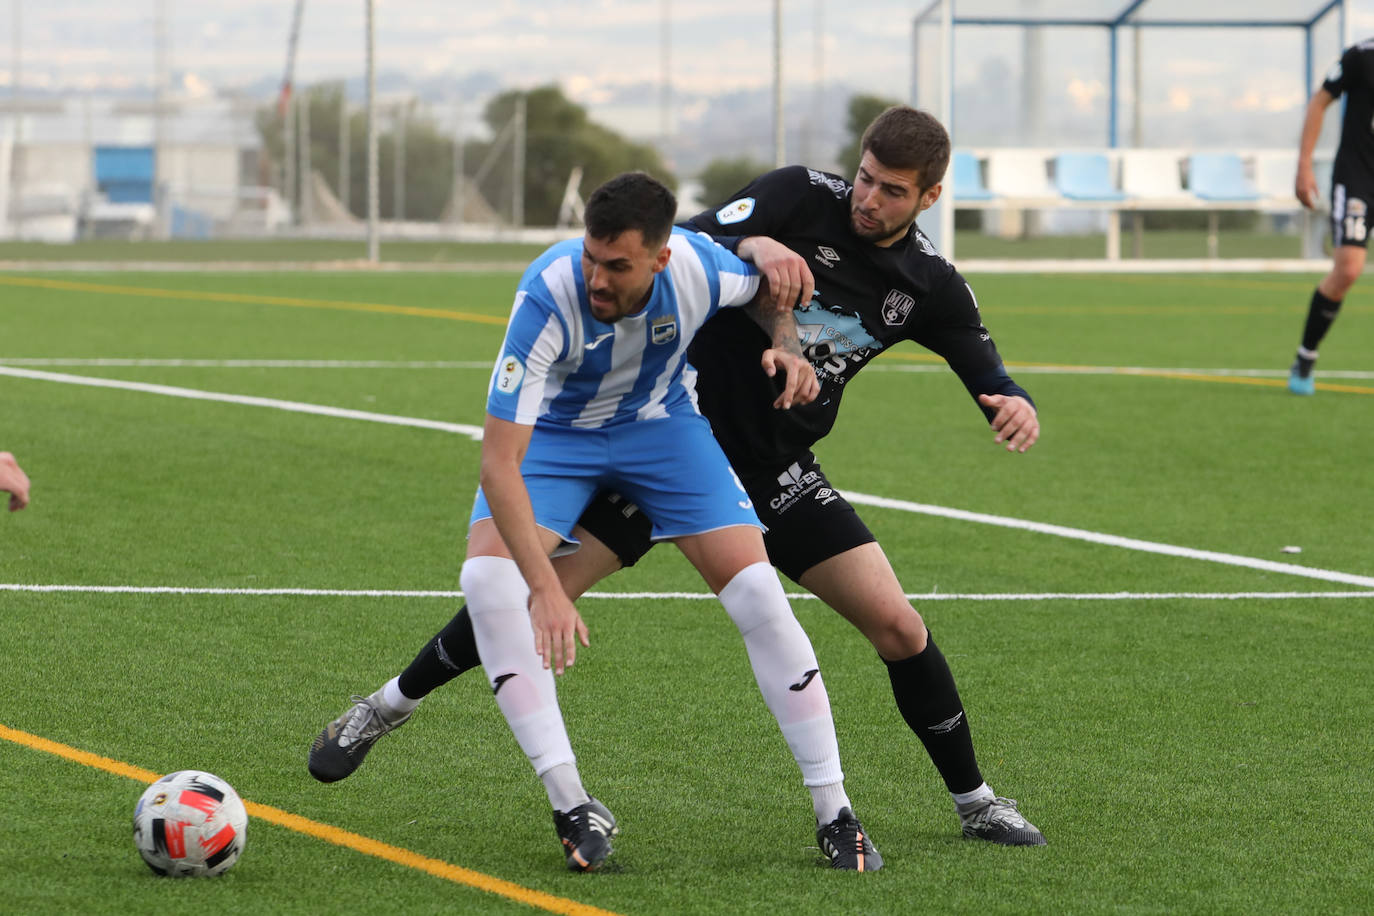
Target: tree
<point x="559" y="137"/>
<point x="723" y="177"/>
<point x="428" y="172"/>
<point x="862" y="110"/>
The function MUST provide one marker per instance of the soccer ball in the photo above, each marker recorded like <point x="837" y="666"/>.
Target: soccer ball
<point x="190" y="824"/>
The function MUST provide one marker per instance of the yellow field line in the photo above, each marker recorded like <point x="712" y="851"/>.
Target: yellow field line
<point x="436" y="867"/>
<point x="75" y="286"/>
<point x="1153" y="373"/>
<point x="250" y="298"/>
<point x="1206" y="377"/>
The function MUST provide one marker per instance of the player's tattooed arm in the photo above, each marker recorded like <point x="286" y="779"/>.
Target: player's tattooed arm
<point x="800" y="385"/>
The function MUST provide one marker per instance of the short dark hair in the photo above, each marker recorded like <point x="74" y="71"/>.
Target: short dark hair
<point x="631" y="200"/>
<point x="907" y="138"/>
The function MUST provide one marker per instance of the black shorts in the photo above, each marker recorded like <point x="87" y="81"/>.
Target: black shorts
<point x="1350" y="216"/>
<point x="808" y="520"/>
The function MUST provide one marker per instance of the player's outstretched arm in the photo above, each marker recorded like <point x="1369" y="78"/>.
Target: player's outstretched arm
<point x="800" y="385"/>
<point x="556" y="623"/>
<point x="788" y="275"/>
<point x="1305" y="185"/>
<point x="1015" y="420"/>
<point x="13" y="481"/>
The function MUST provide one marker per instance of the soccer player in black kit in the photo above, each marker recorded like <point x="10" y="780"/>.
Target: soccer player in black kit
<point x="1352" y="190"/>
<point x="877" y="281"/>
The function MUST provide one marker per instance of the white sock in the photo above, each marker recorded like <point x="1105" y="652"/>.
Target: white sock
<point x="982" y="793"/>
<point x="564" y="787"/>
<point x="828" y="800"/>
<point x="498" y="602"/>
<point x="788" y="676"/>
<point x="391" y="696"/>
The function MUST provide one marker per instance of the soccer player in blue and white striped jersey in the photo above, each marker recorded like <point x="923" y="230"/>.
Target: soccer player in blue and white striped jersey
<point x="592" y="390"/>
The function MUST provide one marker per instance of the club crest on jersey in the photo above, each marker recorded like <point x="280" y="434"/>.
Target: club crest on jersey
<point x="663" y="330"/>
<point x="736" y="211"/>
<point x="896" y="307"/>
<point x="509" y="374"/>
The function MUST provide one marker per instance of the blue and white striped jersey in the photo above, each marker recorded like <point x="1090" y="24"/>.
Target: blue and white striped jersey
<point x="560" y="365"/>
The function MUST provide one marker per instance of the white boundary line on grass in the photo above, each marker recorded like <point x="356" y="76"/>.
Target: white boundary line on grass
<point x="472" y="432"/>
<point x="76" y="362"/>
<point x="475" y="433"/>
<point x="881" y="366"/>
<point x="695" y="596"/>
<point x="1110" y="540"/>
<point x="968" y="266"/>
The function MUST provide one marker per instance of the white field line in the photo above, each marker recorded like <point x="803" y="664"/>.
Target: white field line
<point x="1126" y="370"/>
<point x="472" y="432"/>
<point x="1111" y="540"/>
<point x="693" y="596"/>
<point x="71" y="362"/>
<point x="475" y="433"/>
<point x="880" y="366"/>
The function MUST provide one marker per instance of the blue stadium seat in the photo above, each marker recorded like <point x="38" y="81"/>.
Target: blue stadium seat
<point x="1220" y="176"/>
<point x="968" y="178"/>
<point x="1085" y="176"/>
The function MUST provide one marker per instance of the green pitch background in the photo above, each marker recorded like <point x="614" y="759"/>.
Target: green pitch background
<point x="1182" y="754"/>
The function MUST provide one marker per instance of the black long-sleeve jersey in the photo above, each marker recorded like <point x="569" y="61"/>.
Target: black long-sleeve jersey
<point x="1353" y="76"/>
<point x="867" y="299"/>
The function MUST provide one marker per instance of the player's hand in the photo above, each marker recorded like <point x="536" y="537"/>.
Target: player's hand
<point x="1015" y="422"/>
<point x="788" y="275"/>
<point x="800" y="385"/>
<point x="14" y="481"/>
<point x="1306" y="187"/>
<point x="557" y="628"/>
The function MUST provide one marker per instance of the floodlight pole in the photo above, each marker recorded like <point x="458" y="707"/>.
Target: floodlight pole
<point x="665" y="99"/>
<point x="17" y="70"/>
<point x="779" y="156"/>
<point x="345" y="180"/>
<point x="945" y="241"/>
<point x="373" y="242"/>
<point x="161" y="172"/>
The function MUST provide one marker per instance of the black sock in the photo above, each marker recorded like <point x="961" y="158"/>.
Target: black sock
<point x="929" y="702"/>
<point x="447" y="655"/>
<point x="1320" y="313"/>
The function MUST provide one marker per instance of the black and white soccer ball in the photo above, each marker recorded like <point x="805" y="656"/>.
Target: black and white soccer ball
<point x="190" y="824"/>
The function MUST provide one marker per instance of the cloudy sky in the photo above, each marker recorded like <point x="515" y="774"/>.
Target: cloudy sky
<point x="608" y="55"/>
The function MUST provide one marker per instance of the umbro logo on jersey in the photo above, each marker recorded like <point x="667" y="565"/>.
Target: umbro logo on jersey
<point x="499" y="682"/>
<point x="896" y="307"/>
<point x="806" y="679"/>
<point x="827" y="255"/>
<point x="825" y="496"/>
<point x="949" y="725"/>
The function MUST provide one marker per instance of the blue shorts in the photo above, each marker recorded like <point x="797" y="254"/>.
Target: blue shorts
<point x="672" y="468"/>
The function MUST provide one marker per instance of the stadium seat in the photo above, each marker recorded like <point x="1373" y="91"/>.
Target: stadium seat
<point x="1019" y="173"/>
<point x="1153" y="174"/>
<point x="968" y="178"/>
<point x="1085" y="176"/>
<point x="1275" y="174"/>
<point x="1219" y="176"/>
